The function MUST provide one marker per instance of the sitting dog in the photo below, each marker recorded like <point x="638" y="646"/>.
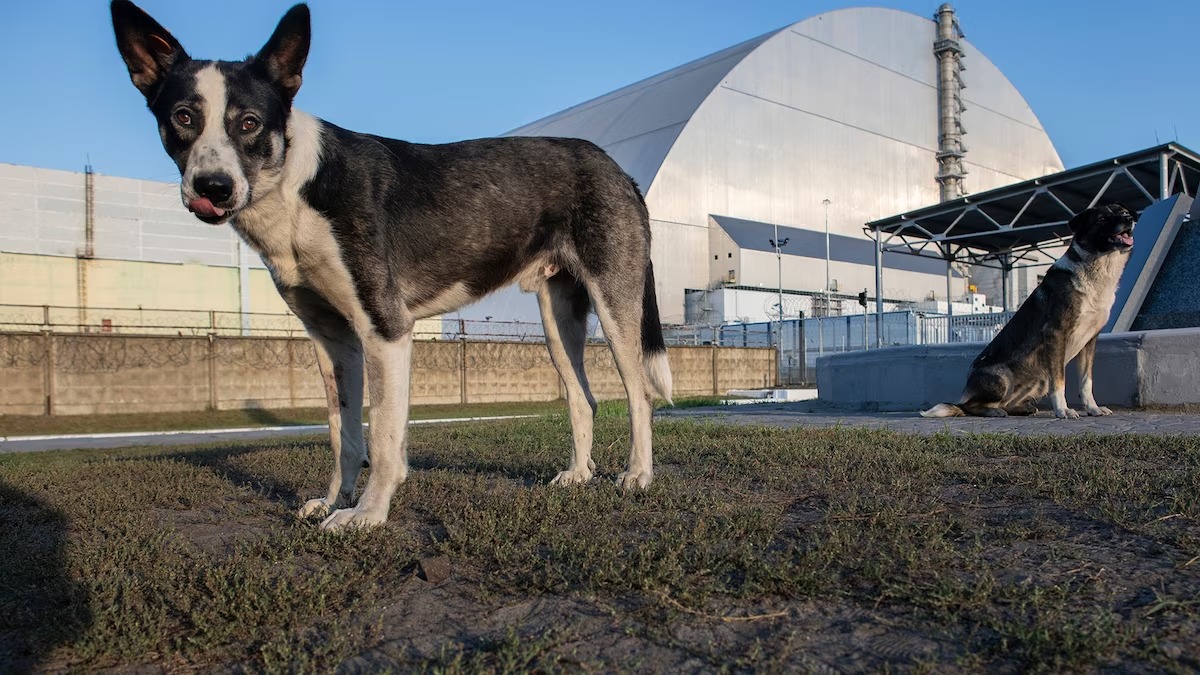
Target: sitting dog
<point x="1059" y="321"/>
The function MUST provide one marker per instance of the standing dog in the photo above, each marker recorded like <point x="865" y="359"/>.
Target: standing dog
<point x="1059" y="321"/>
<point x="364" y="235"/>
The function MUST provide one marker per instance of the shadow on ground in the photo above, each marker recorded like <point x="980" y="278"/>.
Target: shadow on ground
<point x="41" y="607"/>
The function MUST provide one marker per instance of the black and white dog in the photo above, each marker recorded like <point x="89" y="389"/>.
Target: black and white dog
<point x="1059" y="321"/>
<point x="364" y="235"/>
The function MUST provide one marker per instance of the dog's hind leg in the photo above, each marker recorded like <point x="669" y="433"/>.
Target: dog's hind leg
<point x="618" y="300"/>
<point x="1022" y="409"/>
<point x="564" y="306"/>
<point x="389" y="367"/>
<point x="340" y="360"/>
<point x="985" y="393"/>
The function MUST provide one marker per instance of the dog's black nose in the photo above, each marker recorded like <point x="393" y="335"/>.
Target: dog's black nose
<point x="216" y="187"/>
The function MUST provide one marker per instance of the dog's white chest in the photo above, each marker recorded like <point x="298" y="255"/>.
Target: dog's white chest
<point x="1098" y="293"/>
<point x="297" y="243"/>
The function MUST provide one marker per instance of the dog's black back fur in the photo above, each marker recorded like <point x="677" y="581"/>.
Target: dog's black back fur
<point x="475" y="198"/>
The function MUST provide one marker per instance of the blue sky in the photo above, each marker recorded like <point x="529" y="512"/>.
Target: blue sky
<point x="1104" y="76"/>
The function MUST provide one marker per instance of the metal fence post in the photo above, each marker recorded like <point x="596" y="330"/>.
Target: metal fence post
<point x="291" y="353"/>
<point x="213" y="396"/>
<point x="462" y="361"/>
<point x="715" y="375"/>
<point x="48" y="365"/>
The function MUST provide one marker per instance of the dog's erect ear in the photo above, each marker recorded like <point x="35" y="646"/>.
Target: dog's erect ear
<point x="148" y="49"/>
<point x="284" y="54"/>
<point x="1081" y="219"/>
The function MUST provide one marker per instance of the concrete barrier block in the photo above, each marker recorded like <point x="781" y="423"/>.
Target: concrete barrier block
<point x="1146" y="368"/>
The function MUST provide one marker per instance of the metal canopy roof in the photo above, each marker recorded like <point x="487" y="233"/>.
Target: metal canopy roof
<point x="752" y="235"/>
<point x="1018" y="225"/>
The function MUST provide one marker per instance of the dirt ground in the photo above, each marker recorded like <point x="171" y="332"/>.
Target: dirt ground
<point x="757" y="549"/>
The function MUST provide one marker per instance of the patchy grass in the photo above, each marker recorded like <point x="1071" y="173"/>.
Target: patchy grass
<point x="756" y="549"/>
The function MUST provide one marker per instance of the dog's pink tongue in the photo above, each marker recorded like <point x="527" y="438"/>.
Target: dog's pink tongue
<point x="202" y="206"/>
<point x="1125" y="238"/>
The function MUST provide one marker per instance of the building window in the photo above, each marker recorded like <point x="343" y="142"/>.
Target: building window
<point x="731" y="254"/>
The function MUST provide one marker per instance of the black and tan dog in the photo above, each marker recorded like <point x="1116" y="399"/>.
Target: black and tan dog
<point x="1059" y="321"/>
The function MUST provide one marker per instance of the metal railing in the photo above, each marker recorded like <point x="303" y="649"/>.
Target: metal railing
<point x="802" y="341"/>
<point x="188" y="322"/>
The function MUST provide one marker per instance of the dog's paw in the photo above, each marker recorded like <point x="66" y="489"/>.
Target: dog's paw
<point x="572" y="477"/>
<point x="315" y="508"/>
<point x="1066" y="414"/>
<point x="344" y="519"/>
<point x="1099" y="411"/>
<point x="631" y="480"/>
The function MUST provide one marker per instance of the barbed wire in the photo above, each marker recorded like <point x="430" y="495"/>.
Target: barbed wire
<point x="22" y="351"/>
<point x="92" y="354"/>
<point x="265" y="353"/>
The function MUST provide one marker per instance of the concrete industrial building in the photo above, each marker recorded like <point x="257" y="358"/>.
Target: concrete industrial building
<point x="850" y="106"/>
<point x="861" y="108"/>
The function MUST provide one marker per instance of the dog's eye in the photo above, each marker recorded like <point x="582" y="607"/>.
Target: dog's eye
<point x="249" y="124"/>
<point x="184" y="118"/>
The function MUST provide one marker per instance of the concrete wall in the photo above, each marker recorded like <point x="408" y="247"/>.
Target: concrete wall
<point x="99" y="284"/>
<point x="42" y="211"/>
<point x="89" y="374"/>
<point x="1148" y="368"/>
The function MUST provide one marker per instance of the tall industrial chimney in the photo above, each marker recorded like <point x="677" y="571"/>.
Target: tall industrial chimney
<point x="950" y="106"/>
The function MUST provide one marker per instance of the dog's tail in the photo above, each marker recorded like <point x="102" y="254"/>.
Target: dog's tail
<point x="944" y="410"/>
<point x="654" y="348"/>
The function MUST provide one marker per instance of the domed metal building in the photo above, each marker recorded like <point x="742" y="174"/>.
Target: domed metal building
<point x="866" y="108"/>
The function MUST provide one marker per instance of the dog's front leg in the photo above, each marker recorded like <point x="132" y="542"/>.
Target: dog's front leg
<point x="340" y="361"/>
<point x="1087" y="358"/>
<point x="388" y="376"/>
<point x="1058" y="388"/>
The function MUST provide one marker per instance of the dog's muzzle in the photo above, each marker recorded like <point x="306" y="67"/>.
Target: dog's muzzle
<point x="211" y="190"/>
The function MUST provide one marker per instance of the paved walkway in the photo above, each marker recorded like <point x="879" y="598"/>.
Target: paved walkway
<point x="193" y="437"/>
<point x="815" y="414"/>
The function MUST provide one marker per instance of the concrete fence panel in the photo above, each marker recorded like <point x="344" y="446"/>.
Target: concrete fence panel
<point x="437" y="372"/>
<point x="509" y="371"/>
<point x="55" y="373"/>
<point x="120" y="374"/>
<point x="26" y="373"/>
<point x="692" y="370"/>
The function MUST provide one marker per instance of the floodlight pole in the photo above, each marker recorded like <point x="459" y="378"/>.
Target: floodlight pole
<point x="821" y="322"/>
<point x="779" y="244"/>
